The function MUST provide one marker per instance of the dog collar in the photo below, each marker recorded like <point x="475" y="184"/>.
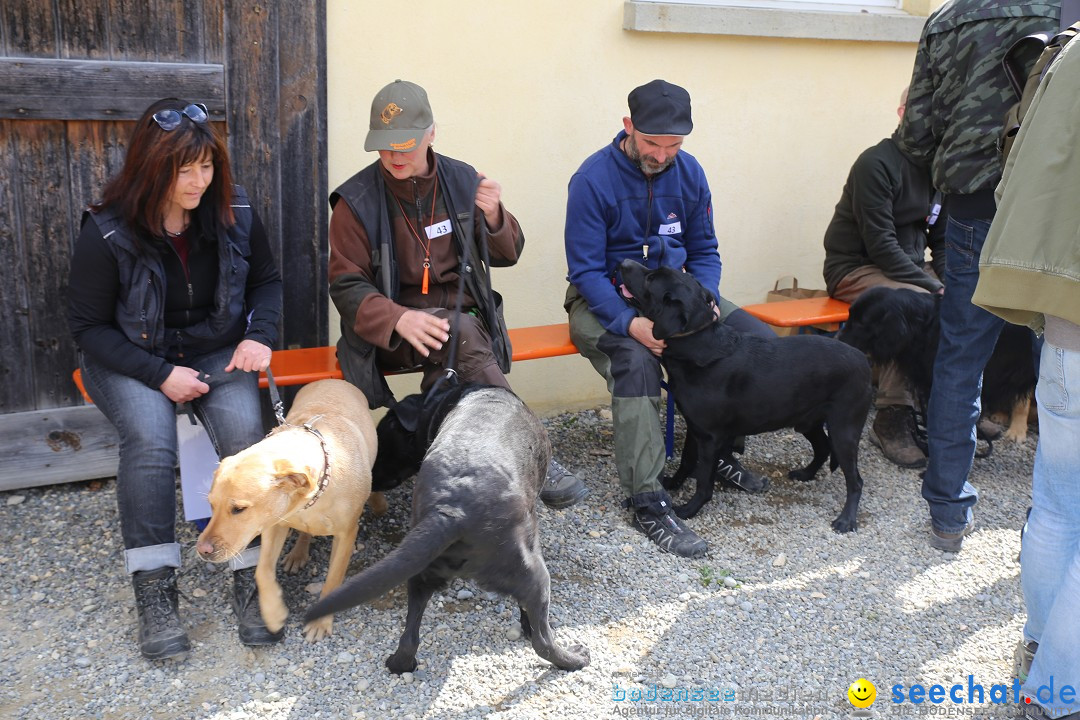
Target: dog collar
<point x="324" y="479"/>
<point x="709" y="324"/>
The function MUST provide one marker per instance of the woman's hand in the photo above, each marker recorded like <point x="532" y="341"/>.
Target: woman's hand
<point x="423" y="331"/>
<point x="250" y="356"/>
<point x="184" y="385"/>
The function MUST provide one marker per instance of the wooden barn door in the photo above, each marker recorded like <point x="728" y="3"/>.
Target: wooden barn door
<point x="74" y="75"/>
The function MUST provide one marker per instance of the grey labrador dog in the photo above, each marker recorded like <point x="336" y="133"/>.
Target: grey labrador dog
<point x="481" y="456"/>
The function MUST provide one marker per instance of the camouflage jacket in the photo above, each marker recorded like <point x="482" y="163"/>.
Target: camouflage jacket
<point x="959" y="93"/>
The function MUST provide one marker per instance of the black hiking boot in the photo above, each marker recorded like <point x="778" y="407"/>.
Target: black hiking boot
<point x="157" y="601"/>
<point x="654" y="517"/>
<point x="245" y="604"/>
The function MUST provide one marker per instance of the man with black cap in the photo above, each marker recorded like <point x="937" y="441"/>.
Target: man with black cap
<point x="643" y="198"/>
<point x="400" y="232"/>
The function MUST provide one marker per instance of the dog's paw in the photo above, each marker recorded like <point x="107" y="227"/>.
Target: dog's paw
<point x="377" y="502"/>
<point x="318" y="629"/>
<point x="297" y="558"/>
<point x="801" y="475"/>
<point x="671" y="482"/>
<point x="273" y="610"/>
<point x="1016" y="436"/>
<point x="577" y="657"/>
<point x="844" y="525"/>
<point x="294" y="562"/>
<point x="685" y="512"/>
<point x="401" y="663"/>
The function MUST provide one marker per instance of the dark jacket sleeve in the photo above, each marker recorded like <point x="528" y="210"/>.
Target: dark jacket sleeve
<point x="875" y="189"/>
<point x="93" y="292"/>
<point x="263" y="296"/>
<point x="506" y="242"/>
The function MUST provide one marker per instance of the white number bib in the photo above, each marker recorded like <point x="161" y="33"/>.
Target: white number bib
<point x="438" y="229"/>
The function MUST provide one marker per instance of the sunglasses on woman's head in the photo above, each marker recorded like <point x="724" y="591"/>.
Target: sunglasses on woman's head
<point x="170" y="119"/>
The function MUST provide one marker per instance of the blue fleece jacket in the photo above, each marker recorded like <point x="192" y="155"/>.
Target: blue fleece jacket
<point x="612" y="210"/>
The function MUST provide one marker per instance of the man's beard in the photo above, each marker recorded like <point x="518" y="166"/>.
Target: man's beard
<point x="646" y="165"/>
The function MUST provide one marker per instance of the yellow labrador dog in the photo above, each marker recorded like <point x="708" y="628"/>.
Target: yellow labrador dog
<point x="313" y="474"/>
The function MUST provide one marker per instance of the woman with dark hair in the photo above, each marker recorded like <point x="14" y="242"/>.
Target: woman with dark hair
<point x="174" y="297"/>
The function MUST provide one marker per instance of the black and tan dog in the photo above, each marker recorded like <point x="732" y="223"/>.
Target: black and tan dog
<point x="903" y="326"/>
<point x="481" y="456"/>
<point x="727" y="384"/>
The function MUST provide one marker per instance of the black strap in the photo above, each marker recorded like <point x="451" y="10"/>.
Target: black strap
<point x="275" y="398"/>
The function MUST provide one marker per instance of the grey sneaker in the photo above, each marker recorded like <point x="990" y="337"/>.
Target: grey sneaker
<point x="951" y="541"/>
<point x="668" y="531"/>
<point x="1022" y="658"/>
<point x="562" y="488"/>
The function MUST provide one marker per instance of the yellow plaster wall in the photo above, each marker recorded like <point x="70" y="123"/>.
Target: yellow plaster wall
<point x="525" y="91"/>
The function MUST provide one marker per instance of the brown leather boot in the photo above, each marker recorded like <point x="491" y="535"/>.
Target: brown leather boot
<point x="893" y="432"/>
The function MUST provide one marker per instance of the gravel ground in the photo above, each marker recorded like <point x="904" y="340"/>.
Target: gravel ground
<point x="781" y="616"/>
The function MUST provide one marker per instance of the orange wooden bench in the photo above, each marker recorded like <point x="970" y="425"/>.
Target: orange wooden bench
<point x="304" y="365"/>
<point x="802" y="313"/>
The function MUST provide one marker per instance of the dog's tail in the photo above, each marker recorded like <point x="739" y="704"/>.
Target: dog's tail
<point x="418" y="549"/>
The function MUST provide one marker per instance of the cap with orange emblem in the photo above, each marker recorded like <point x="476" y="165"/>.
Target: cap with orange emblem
<point x="400" y="115"/>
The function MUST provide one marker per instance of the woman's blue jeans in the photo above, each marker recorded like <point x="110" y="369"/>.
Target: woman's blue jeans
<point x="968" y="336"/>
<point x="1050" y="551"/>
<point x="145" y="420"/>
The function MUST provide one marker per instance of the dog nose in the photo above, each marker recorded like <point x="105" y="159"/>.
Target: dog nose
<point x="205" y="548"/>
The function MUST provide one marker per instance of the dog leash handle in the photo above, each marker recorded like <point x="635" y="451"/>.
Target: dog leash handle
<point x="275" y="398"/>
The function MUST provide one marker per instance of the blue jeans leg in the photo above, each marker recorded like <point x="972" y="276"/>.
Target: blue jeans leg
<point x="230" y="411"/>
<point x="145" y="420"/>
<point x="1050" y="553"/>
<point x="968" y="335"/>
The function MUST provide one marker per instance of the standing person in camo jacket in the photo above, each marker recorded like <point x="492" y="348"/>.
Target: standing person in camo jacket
<point x="958" y="98"/>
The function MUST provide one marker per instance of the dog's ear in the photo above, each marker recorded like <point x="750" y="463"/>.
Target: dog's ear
<point x="287" y="477"/>
<point x="408" y="412"/>
<point x="670" y="320"/>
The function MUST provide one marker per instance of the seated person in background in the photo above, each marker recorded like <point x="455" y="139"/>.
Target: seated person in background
<point x="878" y="236"/>
<point x="642" y="191"/>
<point x="398" y="232"/>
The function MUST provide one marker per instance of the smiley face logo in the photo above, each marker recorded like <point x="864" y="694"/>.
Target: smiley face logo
<point x="862" y="693"/>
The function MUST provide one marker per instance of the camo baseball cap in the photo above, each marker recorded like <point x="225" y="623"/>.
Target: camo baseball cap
<point x="400" y="114"/>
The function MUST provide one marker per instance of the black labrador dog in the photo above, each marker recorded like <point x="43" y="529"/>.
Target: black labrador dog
<point x="481" y="455"/>
<point x="727" y="384"/>
<point x="903" y="326"/>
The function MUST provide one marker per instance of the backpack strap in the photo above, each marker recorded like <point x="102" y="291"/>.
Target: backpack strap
<point x="1018" y="58"/>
